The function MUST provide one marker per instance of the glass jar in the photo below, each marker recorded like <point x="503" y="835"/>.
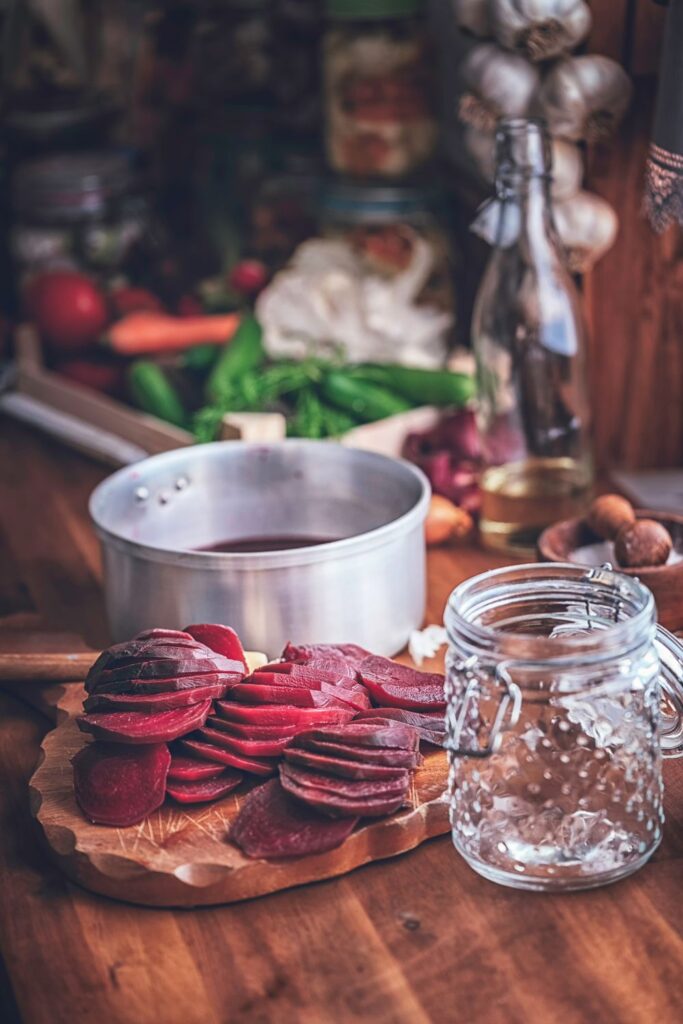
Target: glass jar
<point x="529" y="341"/>
<point x="75" y="210"/>
<point x="379" y="103"/>
<point x="394" y="227"/>
<point x="562" y="696"/>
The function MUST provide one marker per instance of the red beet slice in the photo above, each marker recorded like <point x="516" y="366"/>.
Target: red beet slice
<point x="211" y="752"/>
<point x="337" y="806"/>
<point x="305" y="653"/>
<point x="221" y="639"/>
<point x="171" y="684"/>
<point x="391" y="756"/>
<point x="163" y="634"/>
<point x="429" y="725"/>
<point x="354" y="788"/>
<point x="248" y="748"/>
<point x="251" y="694"/>
<point x="145" y="726"/>
<point x="206" y="790"/>
<point x="153" y="701"/>
<point x="309" y="682"/>
<point x="276" y="714"/>
<point x="165" y="668"/>
<point x="272" y="824"/>
<point x="340" y="766"/>
<point x="398" y="686"/>
<point x="117" y="785"/>
<point x="190" y="769"/>
<point x="255" y="732"/>
<point x="367" y="734"/>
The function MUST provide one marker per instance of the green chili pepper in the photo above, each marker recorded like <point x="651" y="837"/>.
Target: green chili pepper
<point x="361" y="398"/>
<point x="152" y="391"/>
<point x="243" y="354"/>
<point x="422" y="387"/>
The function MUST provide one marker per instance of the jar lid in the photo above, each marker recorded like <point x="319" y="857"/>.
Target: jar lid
<point x="68" y="186"/>
<point x="365" y="204"/>
<point x="369" y="9"/>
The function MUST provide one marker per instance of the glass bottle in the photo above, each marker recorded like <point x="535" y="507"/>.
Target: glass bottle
<point x="529" y="343"/>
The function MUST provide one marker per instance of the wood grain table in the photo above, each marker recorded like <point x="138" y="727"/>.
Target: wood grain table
<point x="417" y="939"/>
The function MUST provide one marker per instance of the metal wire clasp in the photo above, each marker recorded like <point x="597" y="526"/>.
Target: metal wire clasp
<point x="507" y="715"/>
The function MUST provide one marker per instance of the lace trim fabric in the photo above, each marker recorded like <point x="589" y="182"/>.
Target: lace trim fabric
<point x="664" y="188"/>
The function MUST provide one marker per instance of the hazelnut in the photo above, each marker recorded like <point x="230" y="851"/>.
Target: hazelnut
<point x="608" y="514"/>
<point x="643" y="543"/>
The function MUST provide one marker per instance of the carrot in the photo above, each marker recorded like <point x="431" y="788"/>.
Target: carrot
<point x="146" y="331"/>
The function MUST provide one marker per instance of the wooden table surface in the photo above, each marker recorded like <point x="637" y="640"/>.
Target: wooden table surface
<point x="420" y="938"/>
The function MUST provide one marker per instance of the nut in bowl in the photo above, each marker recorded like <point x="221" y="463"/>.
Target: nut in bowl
<point x="639" y="542"/>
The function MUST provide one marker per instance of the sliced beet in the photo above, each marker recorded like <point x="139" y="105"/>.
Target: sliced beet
<point x="167" y="684"/>
<point x="261" y="677"/>
<point x="346" y="769"/>
<point x="203" y="791"/>
<point x="304" y="653"/>
<point x="275" y="714"/>
<point x="163" y="634"/>
<point x="145" y="726"/>
<point x="271" y="747"/>
<point x="399" y="686"/>
<point x="191" y="769"/>
<point x="221" y="639"/>
<point x="304" y="698"/>
<point x="355" y="788"/>
<point x="118" y="785"/>
<point x="393" y="757"/>
<point x="337" y="806"/>
<point x="272" y="824"/>
<point x="255" y="732"/>
<point x="429" y="725"/>
<point x="368" y="734"/>
<point x="153" y="701"/>
<point x="166" y="668"/>
<point x="212" y="752"/>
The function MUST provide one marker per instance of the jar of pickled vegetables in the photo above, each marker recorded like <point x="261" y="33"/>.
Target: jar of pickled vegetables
<point x="379" y="102"/>
<point x="395" y="229"/>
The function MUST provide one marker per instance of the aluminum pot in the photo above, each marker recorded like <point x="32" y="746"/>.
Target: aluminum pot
<point x="366" y="587"/>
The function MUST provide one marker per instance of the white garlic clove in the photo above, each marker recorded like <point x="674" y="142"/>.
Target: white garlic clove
<point x="584" y="97"/>
<point x="540" y="29"/>
<point x="497" y="84"/>
<point x="473" y="16"/>
<point x="567" y="161"/>
<point x="587" y="226"/>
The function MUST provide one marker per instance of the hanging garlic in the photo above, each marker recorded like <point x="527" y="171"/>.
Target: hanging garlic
<point x="567" y="161"/>
<point x="584" y="97"/>
<point x="540" y="29"/>
<point x="473" y="16"/>
<point x="587" y="226"/>
<point x="498" y="84"/>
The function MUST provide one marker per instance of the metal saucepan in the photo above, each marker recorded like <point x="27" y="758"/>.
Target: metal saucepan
<point x="367" y="587"/>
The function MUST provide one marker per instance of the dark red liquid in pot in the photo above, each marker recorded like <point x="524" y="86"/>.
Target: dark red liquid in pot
<point x="253" y="544"/>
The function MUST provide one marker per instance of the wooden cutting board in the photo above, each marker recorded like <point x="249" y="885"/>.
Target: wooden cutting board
<point x="179" y="856"/>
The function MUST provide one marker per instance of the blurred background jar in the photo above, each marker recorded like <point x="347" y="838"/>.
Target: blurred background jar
<point x="380" y="119"/>
<point x="394" y="228"/>
<point x="76" y="210"/>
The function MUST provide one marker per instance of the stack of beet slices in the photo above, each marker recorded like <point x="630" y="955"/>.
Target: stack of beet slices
<point x="143" y="695"/>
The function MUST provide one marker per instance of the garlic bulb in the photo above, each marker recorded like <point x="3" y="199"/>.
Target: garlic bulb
<point x="540" y="29"/>
<point x="498" y="84"/>
<point x="567" y="161"/>
<point x="584" y="97"/>
<point x="473" y="16"/>
<point x="587" y="226"/>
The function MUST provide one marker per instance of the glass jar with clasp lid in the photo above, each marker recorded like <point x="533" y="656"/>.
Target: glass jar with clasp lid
<point x="563" y="696"/>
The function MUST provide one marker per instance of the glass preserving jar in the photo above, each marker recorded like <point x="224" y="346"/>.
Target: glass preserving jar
<point x="562" y="697"/>
<point x="528" y="337"/>
<point x="394" y="227"/>
<point x="379" y="104"/>
<point x="78" y="210"/>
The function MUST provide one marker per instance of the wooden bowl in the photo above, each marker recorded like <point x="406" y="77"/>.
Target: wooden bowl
<point x="568" y="540"/>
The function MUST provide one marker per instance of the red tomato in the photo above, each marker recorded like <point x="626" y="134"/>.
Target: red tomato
<point x="248" y="277"/>
<point x="130" y="300"/>
<point x="68" y="309"/>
